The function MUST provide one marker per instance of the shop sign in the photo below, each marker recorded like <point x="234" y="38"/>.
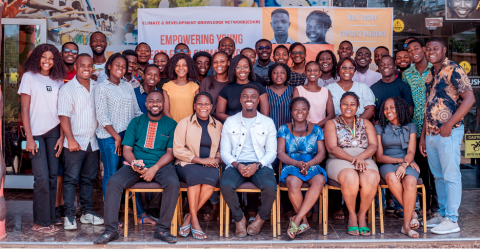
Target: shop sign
<point x="398" y="25"/>
<point x="466" y="66"/>
<point x="472" y="145"/>
<point x="474" y="81"/>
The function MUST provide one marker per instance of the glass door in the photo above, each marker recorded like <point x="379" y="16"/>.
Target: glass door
<point x="19" y="38"/>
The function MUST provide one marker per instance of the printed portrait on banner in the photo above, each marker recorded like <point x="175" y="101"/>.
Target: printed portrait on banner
<point x="462" y="9"/>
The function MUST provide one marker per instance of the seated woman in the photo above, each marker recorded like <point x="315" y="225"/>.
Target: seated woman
<point x="300" y="147"/>
<point x="396" y="150"/>
<point x="351" y="143"/>
<point x="196" y="146"/>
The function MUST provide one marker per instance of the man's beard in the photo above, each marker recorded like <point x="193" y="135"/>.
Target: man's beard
<point x="403" y="68"/>
<point x="155" y="115"/>
<point x="98" y="54"/>
<point x="69" y="64"/>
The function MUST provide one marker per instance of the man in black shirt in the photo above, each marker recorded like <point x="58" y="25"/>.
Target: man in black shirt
<point x="390" y="86"/>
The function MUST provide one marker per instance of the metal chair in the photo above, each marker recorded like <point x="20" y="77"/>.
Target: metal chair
<point x="383" y="184"/>
<point x="144" y="187"/>
<point x="248" y="187"/>
<point x="332" y="184"/>
<point x="305" y="186"/>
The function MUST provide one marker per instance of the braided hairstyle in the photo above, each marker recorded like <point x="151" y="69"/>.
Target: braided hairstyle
<point x="299" y="99"/>
<point x="402" y="110"/>
<point x="212" y="86"/>
<point x="211" y="101"/>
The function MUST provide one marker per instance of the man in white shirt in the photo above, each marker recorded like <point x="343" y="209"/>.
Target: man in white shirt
<point x="76" y="110"/>
<point x="363" y="58"/>
<point x="248" y="148"/>
<point x="98" y="44"/>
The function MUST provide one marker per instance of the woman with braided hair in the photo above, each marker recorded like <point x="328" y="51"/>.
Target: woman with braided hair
<point x="396" y="137"/>
<point x="196" y="165"/>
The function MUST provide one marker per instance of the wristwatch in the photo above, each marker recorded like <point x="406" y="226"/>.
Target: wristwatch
<point x="259" y="165"/>
<point x="407" y="164"/>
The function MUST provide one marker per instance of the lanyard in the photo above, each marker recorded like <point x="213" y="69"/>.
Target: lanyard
<point x="354" y="131"/>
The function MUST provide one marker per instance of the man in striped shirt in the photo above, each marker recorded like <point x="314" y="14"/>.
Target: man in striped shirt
<point x="76" y="109"/>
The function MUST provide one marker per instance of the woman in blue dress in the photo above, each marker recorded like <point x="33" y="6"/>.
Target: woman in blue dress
<point x="301" y="149"/>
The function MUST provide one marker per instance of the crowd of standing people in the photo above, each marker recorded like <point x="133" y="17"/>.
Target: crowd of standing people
<point x="189" y="118"/>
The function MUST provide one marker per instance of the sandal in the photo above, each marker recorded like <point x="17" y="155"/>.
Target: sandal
<point x="303" y="228"/>
<point x="195" y="231"/>
<point x="292" y="229"/>
<point x="148" y="216"/>
<point x="414" y="223"/>
<point x="353" y="231"/>
<point x="339" y="215"/>
<point x="365" y="231"/>
<point x="411" y="233"/>
<point x="186" y="229"/>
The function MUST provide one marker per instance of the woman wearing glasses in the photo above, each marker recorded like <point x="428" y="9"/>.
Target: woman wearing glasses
<point x="240" y="73"/>
<point x="181" y="90"/>
<point x="298" y="54"/>
<point x="346" y="69"/>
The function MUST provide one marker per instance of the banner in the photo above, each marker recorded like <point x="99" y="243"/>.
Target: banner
<point x="201" y="28"/>
<point x="462" y="9"/>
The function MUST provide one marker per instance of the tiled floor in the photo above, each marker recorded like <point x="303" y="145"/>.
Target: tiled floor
<point x="19" y="223"/>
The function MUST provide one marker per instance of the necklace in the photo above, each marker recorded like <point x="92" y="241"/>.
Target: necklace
<point x="343" y="87"/>
<point x="352" y="131"/>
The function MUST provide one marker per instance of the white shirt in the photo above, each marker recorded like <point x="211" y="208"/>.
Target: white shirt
<point x="289" y="41"/>
<point x="263" y="134"/>
<point x="43" y="93"/>
<point x="322" y="82"/>
<point x="363" y="91"/>
<point x="248" y="151"/>
<point x="77" y="103"/>
<point x="116" y="106"/>
<point x="370" y="77"/>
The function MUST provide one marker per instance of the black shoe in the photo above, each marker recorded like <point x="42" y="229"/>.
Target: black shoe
<point x="165" y="236"/>
<point x="399" y="214"/>
<point x="105" y="238"/>
<point x="58" y="217"/>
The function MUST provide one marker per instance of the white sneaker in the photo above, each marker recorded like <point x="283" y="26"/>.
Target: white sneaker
<point x="446" y="226"/>
<point x="69" y="223"/>
<point x="435" y="220"/>
<point x="91" y="218"/>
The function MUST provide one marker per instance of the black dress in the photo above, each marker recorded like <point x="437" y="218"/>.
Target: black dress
<point x="194" y="174"/>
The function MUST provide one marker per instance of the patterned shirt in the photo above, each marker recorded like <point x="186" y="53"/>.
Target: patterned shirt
<point x="296" y="79"/>
<point x="443" y="92"/>
<point x="134" y="82"/>
<point x="345" y="137"/>
<point x="138" y="74"/>
<point x="412" y="77"/>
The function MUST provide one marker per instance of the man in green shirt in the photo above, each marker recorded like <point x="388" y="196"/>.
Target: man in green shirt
<point x="147" y="149"/>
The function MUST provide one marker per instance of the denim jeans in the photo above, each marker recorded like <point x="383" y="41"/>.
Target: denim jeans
<point x="110" y="160"/>
<point x="444" y="160"/>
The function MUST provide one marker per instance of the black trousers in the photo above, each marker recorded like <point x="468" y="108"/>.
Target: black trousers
<point x="264" y="179"/>
<point x="124" y="178"/>
<point x="45" y="171"/>
<point x="84" y="164"/>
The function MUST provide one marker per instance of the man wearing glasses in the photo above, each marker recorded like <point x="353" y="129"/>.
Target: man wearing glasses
<point x="69" y="55"/>
<point x="263" y="47"/>
<point x="182" y="48"/>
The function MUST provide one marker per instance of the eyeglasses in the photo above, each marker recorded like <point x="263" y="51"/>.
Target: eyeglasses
<point x="177" y="51"/>
<point x="347" y="68"/>
<point x="73" y="51"/>
<point x="240" y="68"/>
<point x="266" y="47"/>
<point x="299" y="53"/>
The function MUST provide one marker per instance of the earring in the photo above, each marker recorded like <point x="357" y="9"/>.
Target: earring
<point x="293" y="122"/>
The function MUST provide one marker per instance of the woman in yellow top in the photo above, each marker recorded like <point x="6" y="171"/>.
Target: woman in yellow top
<point x="180" y="90"/>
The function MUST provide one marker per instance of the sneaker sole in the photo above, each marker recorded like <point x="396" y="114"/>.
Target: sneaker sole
<point x="70" y="228"/>
<point x="90" y="222"/>
<point x="431" y="225"/>
<point x="456" y="230"/>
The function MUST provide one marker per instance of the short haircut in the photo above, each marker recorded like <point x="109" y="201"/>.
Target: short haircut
<point x="388" y="56"/>
<point x="82" y="55"/>
<point x="224" y="38"/>
<point x="179" y="44"/>
<point x="352" y="94"/>
<point x="401" y="50"/>
<point x="345" y="41"/>
<point x="232" y="76"/>
<point x="161" y="52"/>
<point x="322" y="16"/>
<point x="202" y="53"/>
<point x="279" y="47"/>
<point x="97" y="32"/>
<point x="251" y="86"/>
<point x="191" y="65"/>
<point x="149" y="66"/>
<point x="149" y="48"/>
<point x="299" y="99"/>
<point x="334" y="61"/>
<point x="130" y="52"/>
<point x="313" y="62"/>
<point x="363" y="48"/>
<point x="280" y="11"/>
<point x="262" y="40"/>
<point x="111" y="59"/>
<point x="436" y="39"/>
<point x="296" y="44"/>
<point x="416" y="40"/>
<point x="155" y="91"/>
<point x="272" y="67"/>
<point x="379" y="47"/>
<point x="247" y="48"/>
<point x="66" y="43"/>
<point x="340" y="63"/>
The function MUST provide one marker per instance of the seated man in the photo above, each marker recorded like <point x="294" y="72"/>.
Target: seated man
<point x="148" y="142"/>
<point x="248" y="148"/>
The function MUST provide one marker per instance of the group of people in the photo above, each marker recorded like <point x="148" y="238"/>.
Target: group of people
<point x="186" y="119"/>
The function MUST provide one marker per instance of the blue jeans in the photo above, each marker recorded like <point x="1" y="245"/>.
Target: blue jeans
<point x="444" y="160"/>
<point x="109" y="158"/>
